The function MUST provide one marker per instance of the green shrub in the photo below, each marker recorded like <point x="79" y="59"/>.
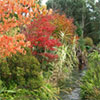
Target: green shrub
<point x="98" y="46"/>
<point x="21" y="79"/>
<point x="90" y="88"/>
<point x="46" y="92"/>
<point x="22" y="70"/>
<point x="81" y="43"/>
<point x="88" y="41"/>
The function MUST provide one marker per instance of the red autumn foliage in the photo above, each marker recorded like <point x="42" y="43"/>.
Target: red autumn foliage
<point x="39" y="33"/>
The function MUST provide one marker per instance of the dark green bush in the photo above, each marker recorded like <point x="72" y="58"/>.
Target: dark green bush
<point x="90" y="89"/>
<point x="22" y="70"/>
<point x="21" y="79"/>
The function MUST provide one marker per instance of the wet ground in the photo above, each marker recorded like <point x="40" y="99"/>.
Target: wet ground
<point x="74" y="84"/>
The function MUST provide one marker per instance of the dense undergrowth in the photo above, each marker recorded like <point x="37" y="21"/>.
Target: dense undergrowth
<point x="37" y="53"/>
<point x="90" y="88"/>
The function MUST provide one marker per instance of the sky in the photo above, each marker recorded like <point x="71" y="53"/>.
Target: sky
<point x="44" y="1"/>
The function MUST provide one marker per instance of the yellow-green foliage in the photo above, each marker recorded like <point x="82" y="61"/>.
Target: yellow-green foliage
<point x="13" y="31"/>
<point x="90" y="87"/>
<point x="98" y="46"/>
<point x="22" y="70"/>
<point x="88" y="41"/>
<point x="21" y="79"/>
<point x="66" y="62"/>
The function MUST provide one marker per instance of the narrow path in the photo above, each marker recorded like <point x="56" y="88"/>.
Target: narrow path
<point x="73" y="83"/>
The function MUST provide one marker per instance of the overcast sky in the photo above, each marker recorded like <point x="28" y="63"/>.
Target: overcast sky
<point x="44" y="1"/>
